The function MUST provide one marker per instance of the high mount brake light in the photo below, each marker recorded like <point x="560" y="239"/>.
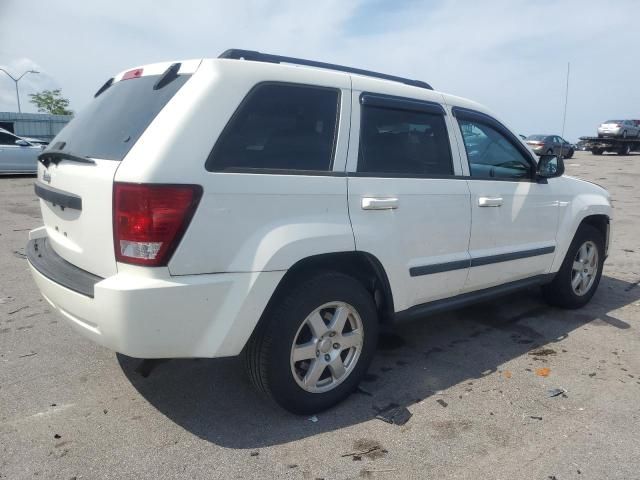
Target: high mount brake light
<point x="149" y="220"/>
<point x="137" y="73"/>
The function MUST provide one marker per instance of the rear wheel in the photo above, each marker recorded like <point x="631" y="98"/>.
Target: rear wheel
<point x="624" y="150"/>
<point x="579" y="276"/>
<point x="569" y="154"/>
<point x="550" y="151"/>
<point x="313" y="348"/>
<point x="597" y="151"/>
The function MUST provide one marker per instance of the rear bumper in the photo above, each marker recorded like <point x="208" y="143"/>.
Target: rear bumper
<point x="141" y="314"/>
<point x="610" y="133"/>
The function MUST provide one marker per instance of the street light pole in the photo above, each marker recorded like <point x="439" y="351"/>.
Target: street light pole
<point x="16" y="80"/>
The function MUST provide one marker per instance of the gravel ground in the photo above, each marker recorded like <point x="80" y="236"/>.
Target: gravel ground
<point x="471" y="378"/>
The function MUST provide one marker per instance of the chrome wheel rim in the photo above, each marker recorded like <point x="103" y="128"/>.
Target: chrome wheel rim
<point x="585" y="268"/>
<point x="326" y="347"/>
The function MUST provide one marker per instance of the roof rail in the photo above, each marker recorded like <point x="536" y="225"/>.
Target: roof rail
<point x="252" y="55"/>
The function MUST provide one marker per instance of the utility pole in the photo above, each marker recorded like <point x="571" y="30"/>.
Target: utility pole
<point x="16" y="80"/>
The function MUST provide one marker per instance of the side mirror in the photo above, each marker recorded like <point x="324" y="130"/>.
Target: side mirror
<point x="550" y="166"/>
<point x="22" y="143"/>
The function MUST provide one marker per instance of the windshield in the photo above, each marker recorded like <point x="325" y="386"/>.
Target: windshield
<point x="536" y="137"/>
<point x="112" y="123"/>
<point x="613" y="121"/>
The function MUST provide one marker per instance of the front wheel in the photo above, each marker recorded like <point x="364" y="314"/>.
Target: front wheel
<point x="314" y="346"/>
<point x="579" y="276"/>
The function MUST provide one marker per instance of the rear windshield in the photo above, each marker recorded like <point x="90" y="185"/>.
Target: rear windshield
<point x="112" y="123"/>
<point x="536" y="137"/>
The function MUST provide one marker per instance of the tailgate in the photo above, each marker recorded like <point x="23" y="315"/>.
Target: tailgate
<point x="77" y="170"/>
<point x="76" y="210"/>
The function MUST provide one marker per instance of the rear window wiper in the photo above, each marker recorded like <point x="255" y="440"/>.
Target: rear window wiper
<point x="49" y="157"/>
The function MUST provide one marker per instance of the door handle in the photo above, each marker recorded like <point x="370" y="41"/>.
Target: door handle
<point x="489" y="201"/>
<point x="373" y="203"/>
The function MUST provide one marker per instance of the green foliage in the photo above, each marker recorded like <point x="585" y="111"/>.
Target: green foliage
<point x="51" y="101"/>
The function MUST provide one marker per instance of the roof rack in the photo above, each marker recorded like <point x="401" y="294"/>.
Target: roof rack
<point x="252" y="55"/>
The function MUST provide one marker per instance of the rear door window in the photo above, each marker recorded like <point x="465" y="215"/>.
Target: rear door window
<point x="114" y="121"/>
<point x="404" y="142"/>
<point x="279" y="127"/>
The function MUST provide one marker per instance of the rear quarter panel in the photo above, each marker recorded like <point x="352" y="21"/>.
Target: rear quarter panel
<point x="245" y="222"/>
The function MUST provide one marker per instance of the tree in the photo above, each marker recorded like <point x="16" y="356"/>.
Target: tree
<point x="51" y="101"/>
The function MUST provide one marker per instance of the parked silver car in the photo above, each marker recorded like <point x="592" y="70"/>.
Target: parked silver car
<point x="550" y="145"/>
<point x="619" y="128"/>
<point x="17" y="155"/>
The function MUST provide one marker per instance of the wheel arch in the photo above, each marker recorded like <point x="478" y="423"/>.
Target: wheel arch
<point x="598" y="216"/>
<point x="362" y="266"/>
<point x="600" y="222"/>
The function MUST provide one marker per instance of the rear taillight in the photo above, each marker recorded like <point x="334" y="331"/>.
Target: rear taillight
<point x="149" y="220"/>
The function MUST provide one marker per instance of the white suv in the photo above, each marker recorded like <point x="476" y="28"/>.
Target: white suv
<point x="286" y="209"/>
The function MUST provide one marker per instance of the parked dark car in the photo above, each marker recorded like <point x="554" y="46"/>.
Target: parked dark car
<point x="550" y="145"/>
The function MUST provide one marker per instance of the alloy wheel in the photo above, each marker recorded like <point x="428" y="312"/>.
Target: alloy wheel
<point x="585" y="268"/>
<point x="326" y="347"/>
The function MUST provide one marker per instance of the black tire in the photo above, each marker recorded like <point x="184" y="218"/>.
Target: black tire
<point x="549" y="151"/>
<point x="569" y="154"/>
<point x="560" y="291"/>
<point x="596" y="151"/>
<point x="268" y="353"/>
<point x="624" y="150"/>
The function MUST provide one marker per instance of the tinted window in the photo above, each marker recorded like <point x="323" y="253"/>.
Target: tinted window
<point x="112" y="123"/>
<point x="280" y="127"/>
<point x="537" y="137"/>
<point x="491" y="154"/>
<point x="401" y="141"/>
<point x="6" y="139"/>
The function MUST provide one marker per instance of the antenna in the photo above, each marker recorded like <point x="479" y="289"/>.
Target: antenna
<point x="566" y="99"/>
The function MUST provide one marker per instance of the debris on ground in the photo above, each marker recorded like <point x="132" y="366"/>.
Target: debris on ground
<point x="313" y="419"/>
<point x="370" y="449"/>
<point x="554" y="392"/>
<point x="442" y="402"/>
<point x="56" y="436"/>
<point x="19" y="254"/>
<point x="28" y="355"/>
<point x="394" y="414"/>
<point x="542" y="352"/>
<point x="535" y="417"/>
<point x="254" y="454"/>
<point x="369" y="473"/>
<point x="507" y="374"/>
<point x="18" y="310"/>
<point x="543" y="372"/>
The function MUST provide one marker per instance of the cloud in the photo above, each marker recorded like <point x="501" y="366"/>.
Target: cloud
<point x="510" y="55"/>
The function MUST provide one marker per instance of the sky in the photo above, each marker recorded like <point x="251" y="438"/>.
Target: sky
<point x="510" y="55"/>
